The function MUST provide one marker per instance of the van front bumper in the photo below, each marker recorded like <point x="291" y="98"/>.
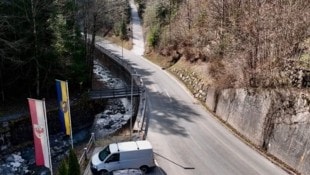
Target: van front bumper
<point x="93" y="169"/>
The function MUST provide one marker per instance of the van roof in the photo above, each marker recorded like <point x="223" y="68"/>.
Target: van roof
<point x="130" y="146"/>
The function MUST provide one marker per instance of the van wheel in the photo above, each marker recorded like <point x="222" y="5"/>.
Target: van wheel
<point x="104" y="172"/>
<point x="144" y="168"/>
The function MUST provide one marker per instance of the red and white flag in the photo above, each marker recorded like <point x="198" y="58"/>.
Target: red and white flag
<point x="40" y="132"/>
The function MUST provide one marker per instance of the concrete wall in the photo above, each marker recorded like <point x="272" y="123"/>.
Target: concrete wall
<point x="278" y="121"/>
<point x="291" y="145"/>
<point x="245" y="111"/>
<point x="290" y="136"/>
<point x="274" y="120"/>
<point x="113" y="63"/>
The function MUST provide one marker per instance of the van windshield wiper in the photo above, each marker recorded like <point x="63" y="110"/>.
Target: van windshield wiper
<point x="104" y="153"/>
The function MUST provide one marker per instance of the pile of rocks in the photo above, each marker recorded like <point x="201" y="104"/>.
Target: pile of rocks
<point x="112" y="119"/>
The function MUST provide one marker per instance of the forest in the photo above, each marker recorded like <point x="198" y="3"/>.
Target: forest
<point x="235" y="43"/>
<point x="43" y="40"/>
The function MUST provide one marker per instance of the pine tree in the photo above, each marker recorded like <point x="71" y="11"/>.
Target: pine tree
<point x="63" y="168"/>
<point x="73" y="164"/>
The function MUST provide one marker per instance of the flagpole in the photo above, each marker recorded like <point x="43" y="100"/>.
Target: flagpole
<point x="71" y="135"/>
<point x="47" y="137"/>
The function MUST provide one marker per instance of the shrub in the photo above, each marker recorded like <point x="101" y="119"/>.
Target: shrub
<point x="73" y="164"/>
<point x="70" y="165"/>
<point x="153" y="36"/>
<point x="63" y="168"/>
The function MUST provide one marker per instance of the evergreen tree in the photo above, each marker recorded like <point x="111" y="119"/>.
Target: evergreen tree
<point x="73" y="164"/>
<point x="39" y="41"/>
<point x="25" y="41"/>
<point x="63" y="168"/>
<point x="124" y="35"/>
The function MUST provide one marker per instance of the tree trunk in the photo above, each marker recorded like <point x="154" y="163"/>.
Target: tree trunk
<point x="33" y="11"/>
<point x="2" y="88"/>
<point x="92" y="47"/>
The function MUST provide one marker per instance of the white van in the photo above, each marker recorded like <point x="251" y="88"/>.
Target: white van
<point x="124" y="155"/>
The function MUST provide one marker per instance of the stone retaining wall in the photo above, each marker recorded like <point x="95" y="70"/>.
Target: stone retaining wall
<point x="278" y="121"/>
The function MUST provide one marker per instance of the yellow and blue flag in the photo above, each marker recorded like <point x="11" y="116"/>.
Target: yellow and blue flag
<point x="64" y="106"/>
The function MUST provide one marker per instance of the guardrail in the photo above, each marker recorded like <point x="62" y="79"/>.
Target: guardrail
<point x="87" y="149"/>
<point x="141" y="121"/>
<point x="115" y="93"/>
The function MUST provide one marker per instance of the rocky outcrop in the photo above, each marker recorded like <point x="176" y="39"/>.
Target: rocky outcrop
<point x="275" y="120"/>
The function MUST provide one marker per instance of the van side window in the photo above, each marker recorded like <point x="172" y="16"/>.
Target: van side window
<point x="113" y="158"/>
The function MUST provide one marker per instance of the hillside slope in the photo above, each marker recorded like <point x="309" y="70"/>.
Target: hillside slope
<point x="235" y="43"/>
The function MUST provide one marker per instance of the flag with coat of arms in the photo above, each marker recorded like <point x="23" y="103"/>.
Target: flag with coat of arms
<point x="40" y="132"/>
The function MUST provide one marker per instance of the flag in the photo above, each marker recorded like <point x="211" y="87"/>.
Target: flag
<point x="64" y="106"/>
<point x="40" y="132"/>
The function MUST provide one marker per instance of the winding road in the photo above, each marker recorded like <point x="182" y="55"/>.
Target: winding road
<point x="187" y="139"/>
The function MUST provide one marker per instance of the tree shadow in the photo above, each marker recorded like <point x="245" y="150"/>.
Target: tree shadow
<point x="165" y="113"/>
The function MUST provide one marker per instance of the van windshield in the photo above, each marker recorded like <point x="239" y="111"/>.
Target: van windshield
<point x="104" y="153"/>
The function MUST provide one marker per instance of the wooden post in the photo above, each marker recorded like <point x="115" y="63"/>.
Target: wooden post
<point x="85" y="152"/>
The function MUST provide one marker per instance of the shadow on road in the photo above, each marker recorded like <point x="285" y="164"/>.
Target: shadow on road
<point x="166" y="113"/>
<point x="177" y="164"/>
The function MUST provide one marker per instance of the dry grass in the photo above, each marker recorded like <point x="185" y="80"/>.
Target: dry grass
<point x="118" y="137"/>
<point x="199" y="68"/>
<point x="127" y="44"/>
<point x="158" y="59"/>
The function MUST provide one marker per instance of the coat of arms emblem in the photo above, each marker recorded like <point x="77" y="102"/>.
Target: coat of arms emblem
<point x="38" y="130"/>
<point x="64" y="106"/>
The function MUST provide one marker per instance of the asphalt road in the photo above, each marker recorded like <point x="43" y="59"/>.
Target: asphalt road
<point x="137" y="39"/>
<point x="186" y="138"/>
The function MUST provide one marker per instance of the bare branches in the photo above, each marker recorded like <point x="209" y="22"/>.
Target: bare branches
<point x="260" y="33"/>
<point x="263" y="30"/>
<point x="98" y="18"/>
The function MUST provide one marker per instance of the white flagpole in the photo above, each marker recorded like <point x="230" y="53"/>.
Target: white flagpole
<point x="47" y="137"/>
<point x="71" y="135"/>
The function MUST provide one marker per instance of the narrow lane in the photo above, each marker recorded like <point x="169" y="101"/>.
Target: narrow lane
<point x="186" y="138"/>
<point x="137" y="33"/>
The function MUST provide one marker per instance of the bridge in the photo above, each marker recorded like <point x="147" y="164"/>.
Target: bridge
<point x="116" y="93"/>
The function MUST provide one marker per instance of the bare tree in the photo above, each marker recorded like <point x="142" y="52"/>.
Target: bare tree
<point x="265" y="31"/>
<point x="99" y="15"/>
